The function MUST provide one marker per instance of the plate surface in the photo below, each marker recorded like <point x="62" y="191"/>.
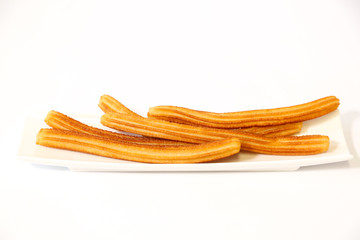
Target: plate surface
<point x="329" y="125"/>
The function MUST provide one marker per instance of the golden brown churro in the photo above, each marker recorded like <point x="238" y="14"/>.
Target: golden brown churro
<point x="275" y="130"/>
<point x="110" y="104"/>
<point x="180" y="135"/>
<point x="293" y="145"/>
<point x="81" y="142"/>
<point x="58" y="120"/>
<point x="263" y="117"/>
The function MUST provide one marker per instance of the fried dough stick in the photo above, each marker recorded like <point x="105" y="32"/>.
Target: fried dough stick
<point x="293" y="145"/>
<point x="274" y="131"/>
<point x="109" y="104"/>
<point x="262" y="117"/>
<point x="58" y="120"/>
<point x="267" y="131"/>
<point x="81" y="142"/>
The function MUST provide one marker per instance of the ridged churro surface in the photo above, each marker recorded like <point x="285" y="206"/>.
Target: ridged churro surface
<point x="292" y="145"/>
<point x="109" y="104"/>
<point x="59" y="120"/>
<point x="261" y="117"/>
<point x="180" y="135"/>
<point x="86" y="143"/>
<point x="275" y="130"/>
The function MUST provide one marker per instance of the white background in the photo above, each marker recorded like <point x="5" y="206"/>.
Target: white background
<point x="209" y="55"/>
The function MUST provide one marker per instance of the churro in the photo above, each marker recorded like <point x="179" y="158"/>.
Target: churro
<point x="86" y="143"/>
<point x="59" y="120"/>
<point x="275" y="130"/>
<point x="109" y="104"/>
<point x="291" y="145"/>
<point x="262" y="117"/>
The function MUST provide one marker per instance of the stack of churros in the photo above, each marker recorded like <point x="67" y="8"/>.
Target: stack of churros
<point x="171" y="134"/>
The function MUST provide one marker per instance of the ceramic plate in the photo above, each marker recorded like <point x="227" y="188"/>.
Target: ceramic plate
<point x="329" y="125"/>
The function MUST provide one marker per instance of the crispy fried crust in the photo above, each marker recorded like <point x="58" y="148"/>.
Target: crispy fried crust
<point x="292" y="145"/>
<point x="274" y="131"/>
<point x="86" y="143"/>
<point x="180" y="135"/>
<point x="263" y="117"/>
<point x="110" y="104"/>
<point x="58" y="120"/>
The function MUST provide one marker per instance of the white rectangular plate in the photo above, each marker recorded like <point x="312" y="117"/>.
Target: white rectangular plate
<point x="329" y="125"/>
